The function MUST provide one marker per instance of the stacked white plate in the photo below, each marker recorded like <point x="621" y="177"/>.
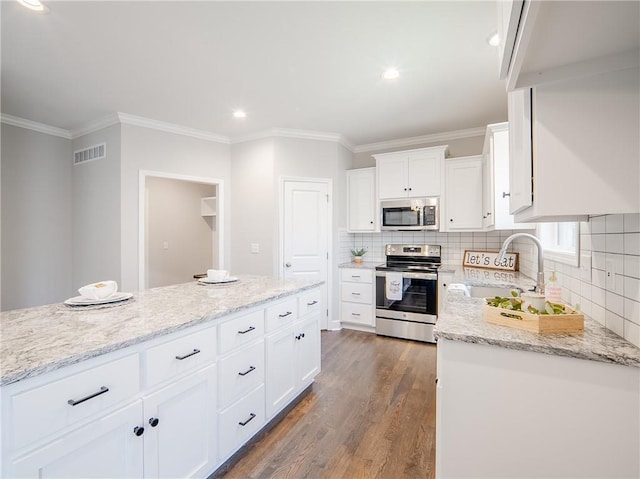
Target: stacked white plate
<point x="228" y="279"/>
<point x="82" y="301"/>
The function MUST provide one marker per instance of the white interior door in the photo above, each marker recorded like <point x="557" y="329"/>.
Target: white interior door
<point x="305" y="251"/>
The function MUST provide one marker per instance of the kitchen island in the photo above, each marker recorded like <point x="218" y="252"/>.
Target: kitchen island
<point x="515" y="404"/>
<point x="170" y="383"/>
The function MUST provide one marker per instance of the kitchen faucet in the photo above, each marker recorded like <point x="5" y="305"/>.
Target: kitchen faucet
<point x="540" y="278"/>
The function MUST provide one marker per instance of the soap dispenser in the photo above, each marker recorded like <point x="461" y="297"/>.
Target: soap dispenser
<point x="553" y="290"/>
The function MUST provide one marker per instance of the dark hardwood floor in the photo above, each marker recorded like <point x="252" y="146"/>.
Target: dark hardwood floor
<point x="370" y="414"/>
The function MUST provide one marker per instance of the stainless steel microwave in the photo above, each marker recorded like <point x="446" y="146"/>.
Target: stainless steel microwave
<point x="411" y="214"/>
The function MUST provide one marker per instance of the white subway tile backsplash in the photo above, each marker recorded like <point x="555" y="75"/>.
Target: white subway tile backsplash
<point x="614" y="243"/>
<point x="614" y="303"/>
<point x="632" y="266"/>
<point x="598" y="296"/>
<point x="598" y="224"/>
<point x="631" y="223"/>
<point x="632" y="288"/>
<point x="598" y="313"/>
<point x="599" y="261"/>
<point x="598" y="242"/>
<point x="632" y="310"/>
<point x="614" y="223"/>
<point x="585" y="242"/>
<point x="632" y="333"/>
<point x="632" y="244"/>
<point x="615" y="323"/>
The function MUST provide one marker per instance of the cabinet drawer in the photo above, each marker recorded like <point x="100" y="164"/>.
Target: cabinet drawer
<point x="42" y="411"/>
<point x="356" y="275"/>
<point x="356" y="313"/>
<point x="180" y="355"/>
<point x="309" y="302"/>
<point x="356" y="293"/>
<point x="240" y="373"/>
<point x="239" y="422"/>
<point x="281" y="314"/>
<point x="241" y="330"/>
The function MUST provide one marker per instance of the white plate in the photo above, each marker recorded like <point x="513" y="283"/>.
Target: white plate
<point x="82" y="301"/>
<point x="230" y="279"/>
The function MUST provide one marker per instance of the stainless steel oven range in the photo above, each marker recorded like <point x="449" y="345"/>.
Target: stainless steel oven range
<point x="407" y="292"/>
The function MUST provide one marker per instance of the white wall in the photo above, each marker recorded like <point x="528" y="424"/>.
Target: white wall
<point x="459" y="147"/>
<point x="179" y="239"/>
<point x="254" y="208"/>
<point x="36" y="218"/>
<point x="159" y="151"/>
<point x="96" y="211"/>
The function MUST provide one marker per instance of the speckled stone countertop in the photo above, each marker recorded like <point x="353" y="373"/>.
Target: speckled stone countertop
<point x="462" y="319"/>
<point x="36" y="340"/>
<point x="363" y="265"/>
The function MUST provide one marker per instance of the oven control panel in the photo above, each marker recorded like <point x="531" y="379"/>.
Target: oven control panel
<point x="412" y="250"/>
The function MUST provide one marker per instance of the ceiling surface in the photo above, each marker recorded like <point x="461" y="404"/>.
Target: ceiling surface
<point x="302" y="65"/>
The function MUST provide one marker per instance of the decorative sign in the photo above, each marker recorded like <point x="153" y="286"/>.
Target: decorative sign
<point x="489" y="260"/>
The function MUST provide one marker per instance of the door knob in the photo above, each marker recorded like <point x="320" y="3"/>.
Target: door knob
<point x="288" y="265"/>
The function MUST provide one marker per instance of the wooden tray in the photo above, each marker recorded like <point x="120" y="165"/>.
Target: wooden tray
<point x="570" y="322"/>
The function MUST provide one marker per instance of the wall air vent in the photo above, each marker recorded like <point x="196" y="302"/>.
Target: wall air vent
<point x="95" y="152"/>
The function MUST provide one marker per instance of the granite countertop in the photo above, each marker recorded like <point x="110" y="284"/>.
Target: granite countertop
<point x="462" y="319"/>
<point x="36" y="340"/>
<point x="363" y="265"/>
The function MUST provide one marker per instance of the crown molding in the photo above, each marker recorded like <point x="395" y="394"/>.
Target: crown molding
<point x="35" y="126"/>
<point x="128" y="119"/>
<point x="420" y="140"/>
<point x="95" y="125"/>
<point x="293" y="133"/>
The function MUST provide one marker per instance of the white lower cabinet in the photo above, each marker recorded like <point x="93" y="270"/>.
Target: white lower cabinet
<point x="293" y="360"/>
<point x="356" y="297"/>
<point x="105" y="447"/>
<point x="176" y="406"/>
<point x="179" y="428"/>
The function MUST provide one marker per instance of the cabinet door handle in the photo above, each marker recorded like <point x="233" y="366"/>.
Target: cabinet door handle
<point x="251" y="368"/>
<point x="192" y="353"/>
<point x="504" y="195"/>
<point x="154" y="421"/>
<point x="298" y="337"/>
<point x="409" y="189"/>
<point x="74" y="402"/>
<point x="285" y="314"/>
<point x="312" y="303"/>
<point x="251" y="416"/>
<point x="138" y="431"/>
<point x="251" y="328"/>
<point x="451" y="219"/>
<point x="405" y="189"/>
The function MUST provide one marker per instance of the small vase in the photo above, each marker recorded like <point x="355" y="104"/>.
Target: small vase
<point x="357" y="259"/>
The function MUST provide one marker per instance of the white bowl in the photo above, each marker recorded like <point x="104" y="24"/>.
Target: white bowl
<point x="217" y="274"/>
<point x="100" y="290"/>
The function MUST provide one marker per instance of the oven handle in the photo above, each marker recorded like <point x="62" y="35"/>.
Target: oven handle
<point x="406" y="274"/>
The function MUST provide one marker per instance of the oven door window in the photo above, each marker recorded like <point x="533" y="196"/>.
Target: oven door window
<point x="418" y="296"/>
<point x="400" y="217"/>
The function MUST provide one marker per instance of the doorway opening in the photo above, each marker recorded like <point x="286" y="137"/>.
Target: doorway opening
<point x="180" y="228"/>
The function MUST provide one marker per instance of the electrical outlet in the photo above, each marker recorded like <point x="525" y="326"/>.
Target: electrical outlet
<point x="255" y="248"/>
<point x="610" y="275"/>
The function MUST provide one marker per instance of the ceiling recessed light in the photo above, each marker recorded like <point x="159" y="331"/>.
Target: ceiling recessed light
<point x="391" y="74"/>
<point x="239" y="114"/>
<point x="35" y="5"/>
<point x="494" y="40"/>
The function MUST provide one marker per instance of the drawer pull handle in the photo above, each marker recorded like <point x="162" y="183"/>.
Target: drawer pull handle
<point x="251" y="328"/>
<point x="355" y="314"/>
<point x="354" y="276"/>
<point x="138" y="431"/>
<point x="356" y="294"/>
<point x="248" y="420"/>
<point x="154" y="421"/>
<point x="192" y="353"/>
<point x="251" y="368"/>
<point x="288" y="313"/>
<point x="312" y="303"/>
<point x="73" y="402"/>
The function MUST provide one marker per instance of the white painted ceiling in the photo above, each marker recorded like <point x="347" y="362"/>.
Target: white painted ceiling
<point x="302" y="65"/>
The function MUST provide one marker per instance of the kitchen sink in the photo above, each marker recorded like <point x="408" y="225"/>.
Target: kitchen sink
<point x="490" y="291"/>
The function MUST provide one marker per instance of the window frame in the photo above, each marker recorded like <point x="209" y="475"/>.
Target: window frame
<point x="552" y="249"/>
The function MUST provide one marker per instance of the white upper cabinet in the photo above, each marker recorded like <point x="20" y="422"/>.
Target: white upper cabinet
<point x="410" y="173"/>
<point x="497" y="190"/>
<point x="544" y="42"/>
<point x="575" y="151"/>
<point x="464" y="192"/>
<point x="361" y="200"/>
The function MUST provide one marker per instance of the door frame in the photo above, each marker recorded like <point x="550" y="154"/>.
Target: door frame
<point x="279" y="267"/>
<point x="142" y="214"/>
